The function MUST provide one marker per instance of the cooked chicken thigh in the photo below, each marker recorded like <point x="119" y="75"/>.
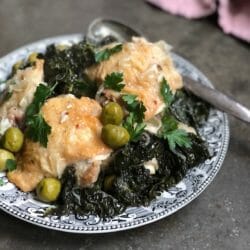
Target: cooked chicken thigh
<point x="22" y="87"/>
<point x="143" y="65"/>
<point x="75" y="139"/>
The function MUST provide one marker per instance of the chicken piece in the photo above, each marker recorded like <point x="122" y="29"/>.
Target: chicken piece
<point x="143" y="65"/>
<point x="75" y="138"/>
<point x="22" y="86"/>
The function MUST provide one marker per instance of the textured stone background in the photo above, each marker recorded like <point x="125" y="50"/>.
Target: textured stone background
<point x="220" y="217"/>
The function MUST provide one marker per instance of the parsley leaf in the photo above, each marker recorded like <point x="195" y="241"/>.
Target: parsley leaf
<point x="1" y="182"/>
<point x="135" y="106"/>
<point x="177" y="137"/>
<point x="40" y="96"/>
<point x="169" y="123"/>
<point x="134" y="121"/>
<point x="114" y="81"/>
<point x="134" y="128"/>
<point x="130" y="100"/>
<point x="10" y="165"/>
<point x="37" y="128"/>
<point x="166" y="92"/>
<point x="105" y="54"/>
<point x="172" y="134"/>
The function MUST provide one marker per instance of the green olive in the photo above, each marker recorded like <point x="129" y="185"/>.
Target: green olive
<point x="48" y="189"/>
<point x="115" y="136"/>
<point x="112" y="113"/>
<point x="4" y="156"/>
<point x="13" y="139"/>
<point x="17" y="65"/>
<point x="108" y="182"/>
<point x="32" y="57"/>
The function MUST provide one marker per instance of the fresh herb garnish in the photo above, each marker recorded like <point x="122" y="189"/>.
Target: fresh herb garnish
<point x="40" y="96"/>
<point x="166" y="92"/>
<point x="105" y="54"/>
<point x="134" y="128"/>
<point x="134" y="121"/>
<point x="37" y="128"/>
<point x="114" y="81"/>
<point x="1" y="182"/>
<point x="135" y="106"/>
<point x="10" y="165"/>
<point x="170" y="132"/>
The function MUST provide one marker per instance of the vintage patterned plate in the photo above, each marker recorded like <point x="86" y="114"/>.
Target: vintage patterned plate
<point x="215" y="132"/>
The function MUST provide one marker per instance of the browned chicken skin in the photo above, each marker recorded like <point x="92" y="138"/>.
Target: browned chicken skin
<point x="75" y="138"/>
<point x="143" y="65"/>
<point x="23" y="86"/>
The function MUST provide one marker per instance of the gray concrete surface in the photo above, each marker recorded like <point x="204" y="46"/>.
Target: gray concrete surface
<point x="220" y="217"/>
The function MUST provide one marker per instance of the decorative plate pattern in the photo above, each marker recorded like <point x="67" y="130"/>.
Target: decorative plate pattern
<point x="215" y="132"/>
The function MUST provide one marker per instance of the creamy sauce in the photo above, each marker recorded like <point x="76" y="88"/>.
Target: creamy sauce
<point x="152" y="166"/>
<point x="4" y="125"/>
<point x="153" y="125"/>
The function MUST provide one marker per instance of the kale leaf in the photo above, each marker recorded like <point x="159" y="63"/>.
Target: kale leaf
<point x="66" y="68"/>
<point x="132" y="184"/>
<point x="189" y="109"/>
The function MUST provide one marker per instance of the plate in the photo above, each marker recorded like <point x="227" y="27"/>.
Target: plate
<point x="215" y="131"/>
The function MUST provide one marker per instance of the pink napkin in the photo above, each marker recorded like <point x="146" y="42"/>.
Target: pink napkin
<point x="234" y="15"/>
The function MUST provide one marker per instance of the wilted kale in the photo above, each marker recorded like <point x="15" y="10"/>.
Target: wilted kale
<point x="125" y="182"/>
<point x="131" y="183"/>
<point x="66" y="68"/>
<point x="80" y="201"/>
<point x="189" y="109"/>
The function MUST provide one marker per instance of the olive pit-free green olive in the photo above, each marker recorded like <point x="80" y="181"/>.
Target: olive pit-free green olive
<point x="48" y="189"/>
<point x="13" y="139"/>
<point x="4" y="156"/>
<point x="115" y="136"/>
<point x="32" y="57"/>
<point x="112" y="113"/>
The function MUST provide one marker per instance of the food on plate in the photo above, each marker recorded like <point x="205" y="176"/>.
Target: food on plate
<point x="112" y="113"/>
<point x="48" y="189"/>
<point x="21" y="89"/>
<point x="5" y="158"/>
<point x="115" y="136"/>
<point x="143" y="65"/>
<point x="96" y="128"/>
<point x="75" y="138"/>
<point x="13" y="139"/>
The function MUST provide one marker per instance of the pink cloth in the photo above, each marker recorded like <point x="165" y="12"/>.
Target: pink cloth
<point x="234" y="15"/>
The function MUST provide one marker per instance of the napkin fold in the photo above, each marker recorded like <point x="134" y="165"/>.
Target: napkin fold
<point x="234" y="15"/>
